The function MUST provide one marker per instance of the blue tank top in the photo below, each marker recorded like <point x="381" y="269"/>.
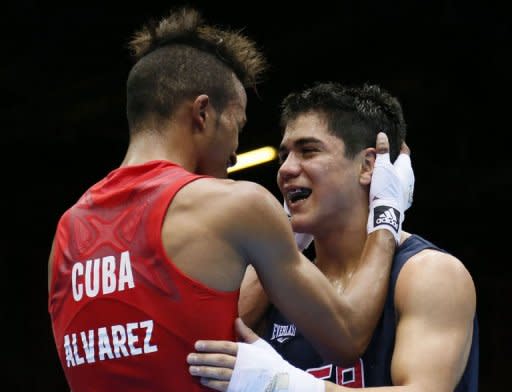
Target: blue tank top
<point x="374" y="368"/>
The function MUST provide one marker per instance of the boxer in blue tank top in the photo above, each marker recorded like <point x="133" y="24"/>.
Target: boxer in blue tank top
<point x="374" y="368"/>
<point x="425" y="336"/>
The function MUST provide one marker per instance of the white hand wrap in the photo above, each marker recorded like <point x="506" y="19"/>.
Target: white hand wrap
<point x="404" y="170"/>
<point x="302" y="240"/>
<point x="386" y="198"/>
<point x="259" y="368"/>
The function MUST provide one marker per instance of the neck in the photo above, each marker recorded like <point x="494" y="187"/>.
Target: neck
<point x="338" y="250"/>
<point x="150" y="145"/>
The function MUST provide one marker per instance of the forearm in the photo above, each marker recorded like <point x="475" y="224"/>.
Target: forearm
<point x="305" y="296"/>
<point x="365" y="294"/>
<point x="258" y="367"/>
<point x="330" y="387"/>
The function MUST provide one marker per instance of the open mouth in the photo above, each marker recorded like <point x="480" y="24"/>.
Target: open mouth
<point x="298" y="194"/>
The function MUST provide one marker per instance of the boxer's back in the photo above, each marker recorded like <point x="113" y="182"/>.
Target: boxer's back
<point x="124" y="316"/>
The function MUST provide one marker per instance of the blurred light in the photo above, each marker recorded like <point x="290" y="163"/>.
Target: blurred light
<point x="253" y="158"/>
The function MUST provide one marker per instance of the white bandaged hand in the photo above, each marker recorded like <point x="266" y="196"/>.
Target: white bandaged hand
<point x="259" y="368"/>
<point x="303" y="240"/>
<point x="387" y="198"/>
<point x="404" y="171"/>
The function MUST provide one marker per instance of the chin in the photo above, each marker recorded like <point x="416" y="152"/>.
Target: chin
<point x="301" y="225"/>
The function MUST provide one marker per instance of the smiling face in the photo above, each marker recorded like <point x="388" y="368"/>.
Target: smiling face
<point x="319" y="184"/>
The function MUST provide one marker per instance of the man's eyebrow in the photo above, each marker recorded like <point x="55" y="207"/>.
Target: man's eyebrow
<point x="301" y="142"/>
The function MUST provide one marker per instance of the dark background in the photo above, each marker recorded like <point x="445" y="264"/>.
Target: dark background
<point x="63" y="74"/>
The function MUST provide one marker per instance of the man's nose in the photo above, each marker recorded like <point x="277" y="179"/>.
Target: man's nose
<point x="290" y="168"/>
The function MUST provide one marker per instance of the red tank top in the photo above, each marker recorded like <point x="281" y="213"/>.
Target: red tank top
<point x="124" y="317"/>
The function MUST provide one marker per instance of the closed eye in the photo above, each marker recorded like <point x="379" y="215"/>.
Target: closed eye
<point x="308" y="150"/>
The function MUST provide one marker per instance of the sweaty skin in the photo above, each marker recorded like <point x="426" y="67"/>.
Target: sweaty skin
<point x="435" y="302"/>
<point x="186" y="105"/>
<point x="435" y="299"/>
<point x="207" y="221"/>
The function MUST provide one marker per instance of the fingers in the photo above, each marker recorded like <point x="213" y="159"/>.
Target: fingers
<point x="215" y="384"/>
<point x="404" y="149"/>
<point x="405" y="173"/>
<point x="245" y="333"/>
<point x="382" y="144"/>
<point x="226" y="361"/>
<point x="212" y="372"/>
<point x="214" y="363"/>
<point x="213" y="377"/>
<point x="217" y="346"/>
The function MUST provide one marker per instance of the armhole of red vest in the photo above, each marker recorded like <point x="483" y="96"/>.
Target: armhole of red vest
<point x="155" y="226"/>
<point x="160" y="210"/>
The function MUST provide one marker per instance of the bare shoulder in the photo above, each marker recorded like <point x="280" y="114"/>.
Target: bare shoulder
<point x="216" y="220"/>
<point x="231" y="207"/>
<point x="220" y="193"/>
<point x="436" y="264"/>
<point x="435" y="278"/>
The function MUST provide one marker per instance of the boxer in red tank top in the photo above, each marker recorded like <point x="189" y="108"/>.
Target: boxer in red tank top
<point x="129" y="313"/>
<point x="151" y="258"/>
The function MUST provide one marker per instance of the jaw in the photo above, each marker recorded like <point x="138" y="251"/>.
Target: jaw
<point x="297" y="206"/>
<point x="301" y="216"/>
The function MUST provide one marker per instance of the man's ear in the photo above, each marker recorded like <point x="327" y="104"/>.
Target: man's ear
<point x="199" y="111"/>
<point x="367" y="165"/>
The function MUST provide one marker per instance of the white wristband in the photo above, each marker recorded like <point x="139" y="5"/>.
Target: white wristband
<point x="257" y="369"/>
<point x="384" y="215"/>
<point x="386" y="198"/>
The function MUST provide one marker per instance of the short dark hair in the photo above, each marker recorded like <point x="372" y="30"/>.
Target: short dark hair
<point x="180" y="57"/>
<point x="354" y="114"/>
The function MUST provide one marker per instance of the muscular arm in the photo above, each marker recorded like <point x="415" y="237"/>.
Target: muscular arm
<point x="300" y="290"/>
<point x="435" y="302"/>
<point x="363" y="299"/>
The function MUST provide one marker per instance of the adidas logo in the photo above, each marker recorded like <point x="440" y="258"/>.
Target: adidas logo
<point x="386" y="216"/>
